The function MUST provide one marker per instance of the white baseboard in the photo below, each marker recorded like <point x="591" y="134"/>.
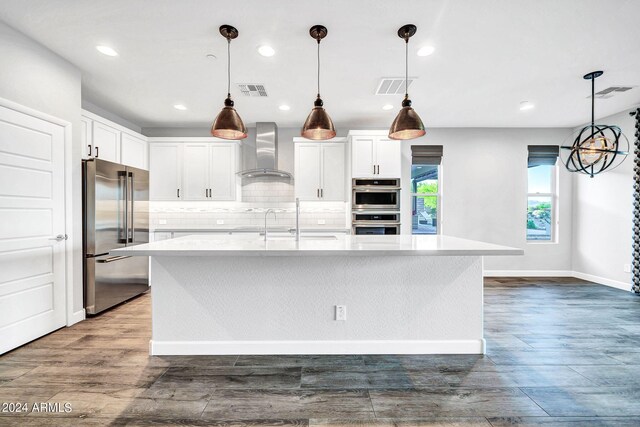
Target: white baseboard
<point x="528" y="273"/>
<point x="168" y="348"/>
<point x="603" y="281"/>
<point x="76" y="317"/>
<point x="559" y="273"/>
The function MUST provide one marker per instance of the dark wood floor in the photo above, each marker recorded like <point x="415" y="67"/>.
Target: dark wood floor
<point x="560" y="353"/>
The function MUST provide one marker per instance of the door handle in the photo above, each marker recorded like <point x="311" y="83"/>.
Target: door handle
<point x="97" y="151"/>
<point x="59" y="237"/>
<point x="89" y="150"/>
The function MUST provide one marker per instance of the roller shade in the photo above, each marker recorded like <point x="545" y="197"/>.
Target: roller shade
<point x="426" y="154"/>
<point x="540" y="155"/>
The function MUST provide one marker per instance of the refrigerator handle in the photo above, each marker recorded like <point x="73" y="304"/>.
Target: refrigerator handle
<point x="123" y="228"/>
<point x="130" y="194"/>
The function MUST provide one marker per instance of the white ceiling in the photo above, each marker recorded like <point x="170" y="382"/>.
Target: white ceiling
<point x="490" y="55"/>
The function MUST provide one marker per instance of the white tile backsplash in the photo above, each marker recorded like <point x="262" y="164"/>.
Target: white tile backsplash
<point x="258" y="195"/>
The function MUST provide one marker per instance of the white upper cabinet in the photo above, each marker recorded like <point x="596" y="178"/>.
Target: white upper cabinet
<point x="362" y="164"/>
<point x="133" y="151"/>
<point x="222" y="171"/>
<point x="85" y="137"/>
<point x="106" y="140"/>
<point x="374" y="155"/>
<point x="320" y="170"/>
<point x="193" y="169"/>
<point x="165" y="171"/>
<point x="388" y="155"/>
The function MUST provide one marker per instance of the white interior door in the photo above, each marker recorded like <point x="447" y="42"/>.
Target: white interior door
<point x="32" y="213"/>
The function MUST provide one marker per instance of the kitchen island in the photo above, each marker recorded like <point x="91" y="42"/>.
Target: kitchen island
<point x="244" y="295"/>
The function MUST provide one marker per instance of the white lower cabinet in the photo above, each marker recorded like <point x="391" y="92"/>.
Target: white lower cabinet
<point x="319" y="170"/>
<point x="199" y="170"/>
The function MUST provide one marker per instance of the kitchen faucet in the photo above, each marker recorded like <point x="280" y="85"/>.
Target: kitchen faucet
<point x="265" y="221"/>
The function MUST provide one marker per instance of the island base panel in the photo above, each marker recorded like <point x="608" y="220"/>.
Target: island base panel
<point x="286" y="305"/>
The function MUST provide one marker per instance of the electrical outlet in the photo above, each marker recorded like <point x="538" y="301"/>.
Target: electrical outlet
<point x="341" y="312"/>
<point x="627" y="268"/>
<point x="220" y="221"/>
<point x="321" y="222"/>
<point x="162" y="221"/>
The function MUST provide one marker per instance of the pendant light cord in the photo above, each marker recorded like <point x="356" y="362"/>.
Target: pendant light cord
<point x="318" y="68"/>
<point x="406" y="68"/>
<point x="228" y="67"/>
<point x="593" y="104"/>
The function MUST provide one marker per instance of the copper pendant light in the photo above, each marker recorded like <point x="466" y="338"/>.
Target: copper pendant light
<point x="228" y="124"/>
<point x="318" y="125"/>
<point x="407" y="124"/>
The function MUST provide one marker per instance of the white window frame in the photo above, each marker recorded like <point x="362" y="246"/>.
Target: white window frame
<point x="554" y="208"/>
<point x="438" y="202"/>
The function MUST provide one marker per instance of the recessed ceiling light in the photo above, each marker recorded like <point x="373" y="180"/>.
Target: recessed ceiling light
<point x="266" y="50"/>
<point x="387" y="107"/>
<point x="284" y="107"/>
<point x="106" y="50"/>
<point x="526" y="105"/>
<point x="211" y="56"/>
<point x="179" y="107"/>
<point x="426" y="50"/>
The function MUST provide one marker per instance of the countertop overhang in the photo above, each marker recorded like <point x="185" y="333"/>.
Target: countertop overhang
<point x="349" y="245"/>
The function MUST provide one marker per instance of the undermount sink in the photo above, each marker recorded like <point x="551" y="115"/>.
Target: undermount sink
<point x="302" y="238"/>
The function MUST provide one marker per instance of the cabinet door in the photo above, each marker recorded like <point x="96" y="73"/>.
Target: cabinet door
<point x="85" y="138"/>
<point x="195" y="171"/>
<point x="106" y="142"/>
<point x="165" y="171"/>
<point x="362" y="157"/>
<point x="307" y="171"/>
<point x="388" y="158"/>
<point x="333" y="178"/>
<point x="133" y="151"/>
<point x="222" y="172"/>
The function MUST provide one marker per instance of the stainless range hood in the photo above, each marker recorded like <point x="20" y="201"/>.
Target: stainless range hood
<point x="266" y="153"/>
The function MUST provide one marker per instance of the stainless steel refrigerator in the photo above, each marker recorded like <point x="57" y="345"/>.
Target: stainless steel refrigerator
<point x="115" y="214"/>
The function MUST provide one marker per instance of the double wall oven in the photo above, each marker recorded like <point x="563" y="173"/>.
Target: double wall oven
<point x="375" y="206"/>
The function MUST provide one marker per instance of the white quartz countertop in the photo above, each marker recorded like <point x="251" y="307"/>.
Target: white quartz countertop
<point x="309" y="245"/>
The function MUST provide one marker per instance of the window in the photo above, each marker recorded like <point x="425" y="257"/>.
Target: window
<point x="542" y="193"/>
<point x="425" y="189"/>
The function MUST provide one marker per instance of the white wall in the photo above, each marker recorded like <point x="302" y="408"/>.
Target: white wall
<point x="35" y="77"/>
<point x="484" y="193"/>
<point x="603" y="219"/>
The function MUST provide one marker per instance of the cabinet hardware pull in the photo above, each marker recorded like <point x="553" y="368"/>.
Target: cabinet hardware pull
<point x="210" y="191"/>
<point x="97" y="151"/>
<point x="374" y="169"/>
<point x="322" y="193"/>
<point x="178" y="193"/>
<point x="89" y="150"/>
<point x="318" y="193"/>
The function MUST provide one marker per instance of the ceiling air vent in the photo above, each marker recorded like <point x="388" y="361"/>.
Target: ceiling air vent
<point x="252" y="89"/>
<point x="392" y="85"/>
<point x="611" y="91"/>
